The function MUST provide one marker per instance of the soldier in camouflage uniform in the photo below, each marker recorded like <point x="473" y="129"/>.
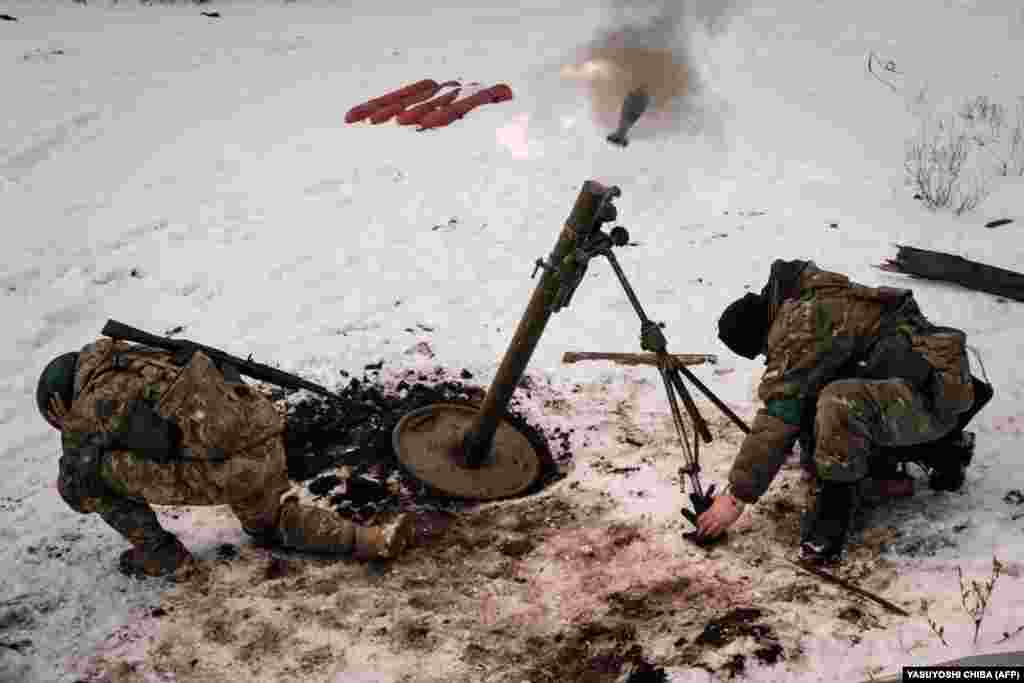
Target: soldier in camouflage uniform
<point x="143" y="426"/>
<point x="860" y="371"/>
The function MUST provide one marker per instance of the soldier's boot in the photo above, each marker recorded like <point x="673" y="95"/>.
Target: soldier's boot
<point x="165" y="556"/>
<point x="155" y="551"/>
<point x="946" y="459"/>
<point x="312" y="529"/>
<point x="886" y="480"/>
<point x="385" y="541"/>
<point x="900" y="485"/>
<point x="826" y="525"/>
<point x="949" y="463"/>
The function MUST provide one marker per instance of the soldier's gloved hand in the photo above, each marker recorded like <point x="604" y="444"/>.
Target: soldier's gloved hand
<point x="148" y="434"/>
<point x="80" y="476"/>
<point x="724" y="512"/>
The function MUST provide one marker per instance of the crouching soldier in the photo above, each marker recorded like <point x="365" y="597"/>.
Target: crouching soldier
<point x="862" y="378"/>
<point x="142" y="426"/>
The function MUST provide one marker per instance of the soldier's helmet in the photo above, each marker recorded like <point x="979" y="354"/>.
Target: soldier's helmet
<point x="58" y="377"/>
<point x="743" y="326"/>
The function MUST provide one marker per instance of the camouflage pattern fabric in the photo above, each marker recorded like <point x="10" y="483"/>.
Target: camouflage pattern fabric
<point x="855" y="416"/>
<point x="822" y="325"/>
<point x="308" y="528"/>
<point x="216" y="418"/>
<point x="761" y="455"/>
<point x="827" y="321"/>
<point x="133" y="519"/>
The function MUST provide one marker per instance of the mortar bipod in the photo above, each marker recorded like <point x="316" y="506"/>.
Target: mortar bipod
<point x="591" y="241"/>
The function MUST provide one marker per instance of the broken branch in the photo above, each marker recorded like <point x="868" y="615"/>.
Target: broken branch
<point x="832" y="578"/>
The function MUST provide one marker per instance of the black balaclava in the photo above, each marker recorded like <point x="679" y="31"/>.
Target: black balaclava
<point x="743" y="326"/>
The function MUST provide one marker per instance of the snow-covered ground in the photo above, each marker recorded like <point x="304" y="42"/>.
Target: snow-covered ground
<point x="168" y="169"/>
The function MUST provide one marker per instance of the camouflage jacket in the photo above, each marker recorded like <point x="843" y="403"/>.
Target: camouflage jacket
<point x="217" y="418"/>
<point x="822" y="327"/>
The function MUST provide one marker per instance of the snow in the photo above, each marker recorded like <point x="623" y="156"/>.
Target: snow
<point x="164" y="169"/>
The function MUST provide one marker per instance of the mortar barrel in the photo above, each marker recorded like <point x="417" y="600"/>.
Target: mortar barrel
<point x="479" y="436"/>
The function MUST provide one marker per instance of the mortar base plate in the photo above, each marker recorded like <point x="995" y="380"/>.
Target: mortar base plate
<point x="427" y="440"/>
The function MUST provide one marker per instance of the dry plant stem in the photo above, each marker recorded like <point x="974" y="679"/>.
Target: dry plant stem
<point x="953" y="158"/>
<point x="935" y="165"/>
<point x="1014" y="164"/>
<point x="1007" y="634"/>
<point x="939" y="631"/>
<point x="975" y="596"/>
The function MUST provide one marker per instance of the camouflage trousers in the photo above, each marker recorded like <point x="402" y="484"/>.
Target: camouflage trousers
<point x="253" y="484"/>
<point x="855" y="417"/>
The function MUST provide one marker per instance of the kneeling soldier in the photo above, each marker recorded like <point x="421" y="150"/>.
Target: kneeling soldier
<point x="143" y="426"/>
<point x="862" y="377"/>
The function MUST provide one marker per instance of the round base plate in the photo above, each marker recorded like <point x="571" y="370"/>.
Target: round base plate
<point x="425" y="439"/>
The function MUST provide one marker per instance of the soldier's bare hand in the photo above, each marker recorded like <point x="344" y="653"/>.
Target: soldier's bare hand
<point x="58" y="410"/>
<point x="724" y="511"/>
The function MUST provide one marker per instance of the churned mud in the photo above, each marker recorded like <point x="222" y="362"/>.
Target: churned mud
<point x="342" y="450"/>
<point x="587" y="578"/>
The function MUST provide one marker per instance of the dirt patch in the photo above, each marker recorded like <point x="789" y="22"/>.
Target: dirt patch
<point x="799" y="592"/>
<point x="580" y="581"/>
<point x="859" y="617"/>
<point x="517" y="547"/>
<point x="738" y="622"/>
<point x="277" y="568"/>
<point x="740" y="634"/>
<point x="412" y="634"/>
<point x="783" y="505"/>
<point x="315" y="659"/>
<point x="219" y="629"/>
<point x="534" y="517"/>
<point x="342" y="450"/>
<point x="594" y="652"/>
<point x="263" y="640"/>
<point x="582" y="573"/>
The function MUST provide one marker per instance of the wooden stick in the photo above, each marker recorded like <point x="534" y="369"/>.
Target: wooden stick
<point x="832" y="578"/>
<point x="639" y="358"/>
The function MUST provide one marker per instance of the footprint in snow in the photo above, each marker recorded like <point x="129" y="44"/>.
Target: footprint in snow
<point x="72" y="130"/>
<point x="282" y="271"/>
<point x="20" y="281"/>
<point x="56" y="323"/>
<point x="138" y="233"/>
<point x="341" y="189"/>
<point x="287" y="47"/>
<point x="203" y="291"/>
<point x="43" y="55"/>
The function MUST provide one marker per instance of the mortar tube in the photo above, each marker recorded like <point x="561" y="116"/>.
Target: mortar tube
<point x="476" y="442"/>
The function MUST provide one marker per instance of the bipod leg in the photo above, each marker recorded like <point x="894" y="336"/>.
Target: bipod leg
<point x="699" y="423"/>
<point x="736" y="419"/>
<point x="652" y="339"/>
<point x="677" y="420"/>
<point x="700" y="499"/>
